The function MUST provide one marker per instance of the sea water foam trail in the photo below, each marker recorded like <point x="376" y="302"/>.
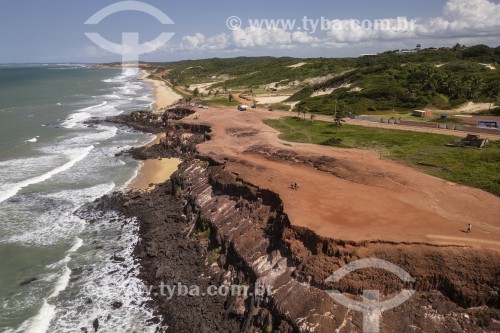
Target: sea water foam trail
<point x="75" y="157"/>
<point x="127" y="89"/>
<point x="106" y="281"/>
<point x="41" y="321"/>
<point x="86" y="113"/>
<point x="72" y="167"/>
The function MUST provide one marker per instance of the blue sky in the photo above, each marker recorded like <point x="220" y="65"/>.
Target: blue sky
<point x="53" y="30"/>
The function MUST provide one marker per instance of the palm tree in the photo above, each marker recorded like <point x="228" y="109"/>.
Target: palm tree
<point x="196" y="92"/>
<point x="339" y="114"/>
<point x="305" y="110"/>
<point x="301" y="110"/>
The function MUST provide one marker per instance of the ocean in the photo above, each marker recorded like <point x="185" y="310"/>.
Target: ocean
<point x="58" y="272"/>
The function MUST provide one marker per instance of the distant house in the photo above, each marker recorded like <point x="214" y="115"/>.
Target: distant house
<point x="422" y="114"/>
<point x="407" y="52"/>
<point x="488" y="124"/>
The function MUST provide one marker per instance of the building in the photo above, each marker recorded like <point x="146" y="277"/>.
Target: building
<point x="488" y="124"/>
<point x="422" y="114"/>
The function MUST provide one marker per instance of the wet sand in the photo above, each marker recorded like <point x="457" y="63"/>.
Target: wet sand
<point x="154" y="172"/>
<point x="157" y="171"/>
<point x="164" y="95"/>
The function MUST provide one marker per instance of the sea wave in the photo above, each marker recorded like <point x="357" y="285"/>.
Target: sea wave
<point x="106" y="281"/>
<point x="74" y="157"/>
<point x="41" y="321"/>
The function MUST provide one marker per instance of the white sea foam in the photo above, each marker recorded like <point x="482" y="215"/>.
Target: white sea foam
<point x="46" y="219"/>
<point x="65" y="260"/>
<point x="75" y="118"/>
<point x="75" y="157"/>
<point x="61" y="283"/>
<point x="108" y="281"/>
<point x="102" y="133"/>
<point x="94" y="106"/>
<point x="55" y="225"/>
<point x="13" y="171"/>
<point x="41" y="322"/>
<point x="76" y="246"/>
<point x="104" y="109"/>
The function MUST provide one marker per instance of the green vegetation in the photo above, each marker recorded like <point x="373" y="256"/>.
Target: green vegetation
<point x="491" y="112"/>
<point x="281" y="107"/>
<point x="442" y="78"/>
<point x="214" y="254"/>
<point x="221" y="101"/>
<point x="203" y="234"/>
<point x="404" y="85"/>
<point x="247" y="73"/>
<point x="428" y="152"/>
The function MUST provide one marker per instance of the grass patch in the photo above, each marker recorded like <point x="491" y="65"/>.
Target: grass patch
<point x="428" y="152"/>
<point x="492" y="112"/>
<point x="395" y="115"/>
<point x="214" y="254"/>
<point x="281" y="107"/>
<point x="221" y="101"/>
<point x="203" y="234"/>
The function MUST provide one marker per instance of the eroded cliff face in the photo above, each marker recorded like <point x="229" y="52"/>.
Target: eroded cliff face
<point x="256" y="238"/>
<point x="206" y="226"/>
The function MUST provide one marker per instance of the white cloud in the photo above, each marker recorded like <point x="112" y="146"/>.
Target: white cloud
<point x="473" y="20"/>
<point x="464" y="18"/>
<point x="355" y="31"/>
<point x="193" y="42"/>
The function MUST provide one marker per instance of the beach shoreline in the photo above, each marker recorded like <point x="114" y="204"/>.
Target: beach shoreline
<point x="152" y="172"/>
<point x="164" y="96"/>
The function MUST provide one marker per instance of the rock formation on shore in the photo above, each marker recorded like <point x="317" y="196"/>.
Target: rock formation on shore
<point x="207" y="226"/>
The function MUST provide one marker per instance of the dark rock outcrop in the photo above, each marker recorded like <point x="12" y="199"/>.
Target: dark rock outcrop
<point x="206" y="226"/>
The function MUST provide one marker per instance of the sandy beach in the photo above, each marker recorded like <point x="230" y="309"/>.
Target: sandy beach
<point x="154" y="172"/>
<point x="157" y="171"/>
<point x="164" y="95"/>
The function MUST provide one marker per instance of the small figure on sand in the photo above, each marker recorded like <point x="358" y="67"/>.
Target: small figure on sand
<point x="469" y="228"/>
<point x="294" y="186"/>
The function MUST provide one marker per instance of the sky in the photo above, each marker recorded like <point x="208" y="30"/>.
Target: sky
<point x="54" y="31"/>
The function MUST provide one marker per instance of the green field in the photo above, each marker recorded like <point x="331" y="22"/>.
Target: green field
<point x="428" y="152"/>
<point x="221" y="101"/>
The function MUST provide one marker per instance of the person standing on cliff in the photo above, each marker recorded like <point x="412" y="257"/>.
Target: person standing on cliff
<point x="469" y="228"/>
